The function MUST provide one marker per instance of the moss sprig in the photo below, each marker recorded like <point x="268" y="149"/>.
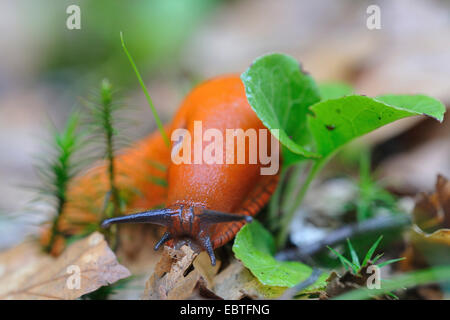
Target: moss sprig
<point x="56" y="171"/>
<point x="105" y="124"/>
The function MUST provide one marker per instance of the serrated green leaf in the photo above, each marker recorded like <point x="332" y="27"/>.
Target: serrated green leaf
<point x="280" y="93"/>
<point x="255" y="247"/>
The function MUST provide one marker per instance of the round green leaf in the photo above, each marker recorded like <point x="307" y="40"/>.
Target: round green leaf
<point x="255" y="247"/>
<point x="280" y="93"/>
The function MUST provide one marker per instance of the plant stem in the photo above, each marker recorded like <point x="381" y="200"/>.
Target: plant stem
<point x="147" y="95"/>
<point x="289" y="176"/>
<point x="274" y="204"/>
<point x="54" y="231"/>
<point x="293" y="184"/>
<point x="60" y="171"/>
<point x="289" y="215"/>
<point x="108" y="126"/>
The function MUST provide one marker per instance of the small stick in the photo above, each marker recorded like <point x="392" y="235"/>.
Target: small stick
<point x="341" y="234"/>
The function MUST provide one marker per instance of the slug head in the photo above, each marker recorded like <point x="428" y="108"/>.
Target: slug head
<point x="185" y="224"/>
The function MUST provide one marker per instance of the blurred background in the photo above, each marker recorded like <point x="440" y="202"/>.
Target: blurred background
<point x="45" y="69"/>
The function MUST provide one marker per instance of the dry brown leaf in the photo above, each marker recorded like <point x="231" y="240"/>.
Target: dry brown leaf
<point x="432" y="211"/>
<point x="337" y="285"/>
<point x="430" y="234"/>
<point x="83" y="267"/>
<point x="430" y="249"/>
<point x="136" y="253"/>
<point x="173" y="278"/>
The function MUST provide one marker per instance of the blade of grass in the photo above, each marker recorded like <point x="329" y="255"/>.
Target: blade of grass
<point x="354" y="255"/>
<point x="392" y="295"/>
<point x="345" y="262"/>
<point x="147" y="95"/>
<point x="157" y="165"/>
<point x="377" y="257"/>
<point x="371" y="251"/>
<point x="383" y="264"/>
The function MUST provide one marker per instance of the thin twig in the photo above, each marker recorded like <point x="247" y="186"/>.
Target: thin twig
<point x="343" y="233"/>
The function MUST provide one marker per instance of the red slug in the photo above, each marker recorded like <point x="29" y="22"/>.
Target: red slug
<point x="207" y="203"/>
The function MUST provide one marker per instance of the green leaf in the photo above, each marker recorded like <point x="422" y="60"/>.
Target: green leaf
<point x="255" y="247"/>
<point x="334" y="90"/>
<point x="419" y="103"/>
<point x="338" y="121"/>
<point x="280" y="93"/>
<point x="315" y="122"/>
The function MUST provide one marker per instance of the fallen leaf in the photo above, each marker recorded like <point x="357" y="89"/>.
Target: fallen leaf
<point x="432" y="211"/>
<point x="85" y="266"/>
<point x="178" y="274"/>
<point x="430" y="234"/>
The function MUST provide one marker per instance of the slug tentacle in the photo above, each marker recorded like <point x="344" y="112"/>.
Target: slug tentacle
<point x="160" y="217"/>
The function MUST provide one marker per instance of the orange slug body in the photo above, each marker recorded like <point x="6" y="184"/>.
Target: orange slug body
<point x="221" y="104"/>
<point x="204" y="203"/>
